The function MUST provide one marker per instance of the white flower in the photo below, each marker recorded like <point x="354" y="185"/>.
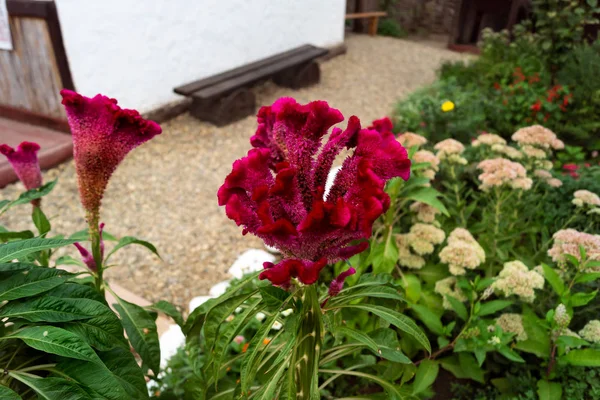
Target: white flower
<point x="276" y="326"/>
<point x="260" y="316"/>
<point x="287" y="312"/>
<point x="591" y="331"/>
<point x="494" y="340"/>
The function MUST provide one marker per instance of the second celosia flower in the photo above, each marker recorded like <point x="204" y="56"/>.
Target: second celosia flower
<point x="277" y="191"/>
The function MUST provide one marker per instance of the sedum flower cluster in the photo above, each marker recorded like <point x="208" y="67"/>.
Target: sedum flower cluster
<point x="536" y="142"/>
<point x="546" y="176"/>
<point x="499" y="172"/>
<point x="515" y="278"/>
<point x="488" y="139"/>
<point x="425" y="212"/>
<point x="587" y="200"/>
<point x="451" y="150"/>
<point x="449" y="287"/>
<point x="426" y="156"/>
<point x="591" y="331"/>
<point x="409" y="139"/>
<point x="512" y="323"/>
<point x="568" y="241"/>
<point x="462" y="252"/>
<point x="419" y="241"/>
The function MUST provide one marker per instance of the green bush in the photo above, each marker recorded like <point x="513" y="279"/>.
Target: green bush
<point x="391" y="27"/>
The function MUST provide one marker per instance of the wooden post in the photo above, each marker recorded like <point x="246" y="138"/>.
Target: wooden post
<point x="373" y="22"/>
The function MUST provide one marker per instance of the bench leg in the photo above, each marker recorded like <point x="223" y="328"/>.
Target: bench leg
<point x="373" y="22"/>
<point x="225" y="110"/>
<point x="300" y="76"/>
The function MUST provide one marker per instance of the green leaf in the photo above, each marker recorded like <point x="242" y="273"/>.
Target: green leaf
<point x="384" y="292"/>
<point x="426" y="374"/>
<point x="119" y="378"/>
<point x="388" y="345"/>
<point x="6" y="236"/>
<point x="471" y="368"/>
<point x="7" y="394"/>
<point x="589" y="277"/>
<point x="51" y="388"/>
<point x="53" y="340"/>
<point x="30" y="282"/>
<point x="273" y="296"/>
<point x="249" y="363"/>
<point x="493" y="306"/>
<point x="431" y="320"/>
<point x="429" y="196"/>
<point x="14" y="250"/>
<point x="538" y="341"/>
<point x="47" y="309"/>
<point x="129" y="240"/>
<point x="510" y="354"/>
<point x="458" y="307"/>
<point x="549" y="390"/>
<point x="554" y="279"/>
<point x="215" y="318"/>
<point x="32" y="194"/>
<point x="268" y="390"/>
<point x="385" y="255"/>
<point x="367" y="341"/>
<point x="40" y="221"/>
<point x="400" y="321"/>
<point x="84" y="235"/>
<point x="169" y="309"/>
<point x="141" y="331"/>
<point x="412" y="287"/>
<point x="583" y="358"/>
<point x="68" y="260"/>
<point x="581" y="299"/>
<point x="393" y="393"/>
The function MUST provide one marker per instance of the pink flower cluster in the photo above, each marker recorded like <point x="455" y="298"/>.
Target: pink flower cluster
<point x="568" y="241"/>
<point x="276" y="192"/>
<point x="409" y="139"/>
<point x="500" y="171"/>
<point x="537" y="135"/>
<point x="25" y="163"/>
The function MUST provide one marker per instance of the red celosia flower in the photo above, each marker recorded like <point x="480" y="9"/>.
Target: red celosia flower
<point x="276" y="191"/>
<point x="570" y="167"/>
<point x="337" y="284"/>
<point x="25" y="163"/>
<point x="103" y="134"/>
<point x="537" y="106"/>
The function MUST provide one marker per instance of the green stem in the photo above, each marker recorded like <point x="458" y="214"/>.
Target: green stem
<point x="307" y="352"/>
<point x="93" y="222"/>
<point x="497" y="210"/>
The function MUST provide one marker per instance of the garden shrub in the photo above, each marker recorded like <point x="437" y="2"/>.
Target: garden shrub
<point x="390" y="27"/>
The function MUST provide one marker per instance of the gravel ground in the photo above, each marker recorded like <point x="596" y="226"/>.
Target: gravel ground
<point x="165" y="191"/>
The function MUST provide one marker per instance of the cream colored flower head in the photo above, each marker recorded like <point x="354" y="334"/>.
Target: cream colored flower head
<point x="542" y="174"/>
<point x="409" y="139"/>
<point x="425" y="212"/>
<point x="568" y="241"/>
<point x="508" y="151"/>
<point x="405" y="257"/>
<point x="538" y="136"/>
<point x="426" y="156"/>
<point x="423" y="237"/>
<point x="488" y="139"/>
<point x="585" y="197"/>
<point x="591" y="331"/>
<point x="448" y="287"/>
<point x="500" y="171"/>
<point x="554" y="182"/>
<point x="512" y="323"/>
<point x="515" y="278"/>
<point x="449" y="147"/>
<point x="561" y="316"/>
<point x="462" y="252"/>
<point x="534" y="152"/>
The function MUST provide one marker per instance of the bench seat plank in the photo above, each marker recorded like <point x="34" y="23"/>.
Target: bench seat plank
<point x="188" y="89"/>
<point x="257" y="74"/>
<point x="366" y="15"/>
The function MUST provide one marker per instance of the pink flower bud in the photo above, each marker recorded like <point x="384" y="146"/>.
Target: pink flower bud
<point x="337" y="284"/>
<point x="25" y="163"/>
<point x="87" y="257"/>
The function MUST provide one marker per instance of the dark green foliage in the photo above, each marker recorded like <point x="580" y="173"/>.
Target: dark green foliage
<point x="390" y="27"/>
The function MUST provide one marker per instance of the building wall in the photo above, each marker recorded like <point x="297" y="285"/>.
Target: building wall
<point x="138" y="50"/>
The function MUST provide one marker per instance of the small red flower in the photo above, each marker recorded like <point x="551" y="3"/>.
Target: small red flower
<point x="497" y="86"/>
<point x="570" y="167"/>
<point x="537" y="106"/>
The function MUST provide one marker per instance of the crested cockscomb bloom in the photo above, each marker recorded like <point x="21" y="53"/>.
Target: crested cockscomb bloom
<point x="538" y="136"/>
<point x="568" y="241"/>
<point x="425" y="212"/>
<point x="515" y="278"/>
<point x="585" y="197"/>
<point x="276" y="192"/>
<point x="591" y="331"/>
<point x="409" y="139"/>
<point x="25" y="163"/>
<point x="513" y="323"/>
<point x="103" y="134"/>
<point x="488" y="139"/>
<point x="500" y="171"/>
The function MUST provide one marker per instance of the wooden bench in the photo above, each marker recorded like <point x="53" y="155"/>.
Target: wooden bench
<point x="372" y="16"/>
<point x="226" y="97"/>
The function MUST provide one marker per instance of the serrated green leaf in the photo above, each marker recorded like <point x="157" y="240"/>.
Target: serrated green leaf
<point x="129" y="240"/>
<point x="425" y="376"/>
<point x="20" y="248"/>
<point x="51" y="388"/>
<point x="400" y="321"/>
<point x="7" y="394"/>
<point x="31" y="282"/>
<point x="493" y="306"/>
<point x="141" y="331"/>
<point x="53" y="340"/>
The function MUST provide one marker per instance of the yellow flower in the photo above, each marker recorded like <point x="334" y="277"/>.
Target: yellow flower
<point x="447" y="106"/>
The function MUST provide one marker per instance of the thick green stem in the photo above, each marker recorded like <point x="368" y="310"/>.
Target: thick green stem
<point x="308" y="350"/>
<point x="93" y="223"/>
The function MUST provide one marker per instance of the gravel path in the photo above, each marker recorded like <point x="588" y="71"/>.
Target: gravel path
<point x="165" y="191"/>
